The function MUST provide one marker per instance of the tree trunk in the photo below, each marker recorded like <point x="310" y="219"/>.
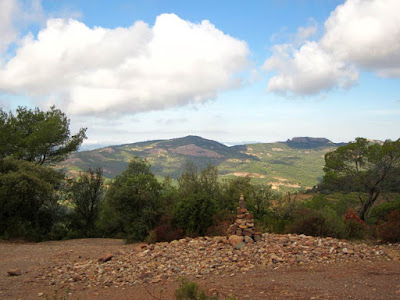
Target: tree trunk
<point x="365" y="207"/>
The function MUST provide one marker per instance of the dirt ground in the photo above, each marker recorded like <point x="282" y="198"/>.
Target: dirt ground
<point x="362" y="280"/>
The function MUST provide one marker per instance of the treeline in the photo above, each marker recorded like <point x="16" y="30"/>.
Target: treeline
<point x="41" y="204"/>
<point x="38" y="202"/>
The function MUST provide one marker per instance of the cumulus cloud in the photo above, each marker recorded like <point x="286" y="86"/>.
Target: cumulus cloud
<point x="8" y="33"/>
<point x="15" y="15"/>
<point x="307" y="70"/>
<point x="358" y="35"/>
<point x="125" y="70"/>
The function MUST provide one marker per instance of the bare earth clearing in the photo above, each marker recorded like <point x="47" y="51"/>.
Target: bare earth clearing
<point x="279" y="267"/>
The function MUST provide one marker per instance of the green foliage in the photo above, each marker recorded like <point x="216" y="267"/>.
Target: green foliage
<point x="132" y="204"/>
<point x="37" y="136"/>
<point x="364" y="167"/>
<point x="198" y="196"/>
<point x="86" y="194"/>
<point x="318" y="202"/>
<point x="283" y="213"/>
<point x="190" y="291"/>
<point x="231" y="190"/>
<point x="28" y="201"/>
<point x="379" y="212"/>
<point x="323" y="222"/>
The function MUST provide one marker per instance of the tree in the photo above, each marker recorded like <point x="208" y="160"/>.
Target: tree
<point x="37" y="136"/>
<point x="27" y="196"/>
<point x="86" y="194"/>
<point x="132" y="203"/>
<point x="231" y="190"/>
<point x="198" y="195"/>
<point x="260" y="201"/>
<point x="364" y="167"/>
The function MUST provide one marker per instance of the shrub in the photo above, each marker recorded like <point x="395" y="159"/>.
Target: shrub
<point x="379" y="212"/>
<point x="190" y="291"/>
<point x="389" y="230"/>
<point x="222" y="221"/>
<point x="355" y="227"/>
<point x="165" y="231"/>
<point x="317" y="223"/>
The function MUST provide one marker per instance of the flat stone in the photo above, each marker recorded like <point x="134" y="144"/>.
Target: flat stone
<point x="105" y="258"/>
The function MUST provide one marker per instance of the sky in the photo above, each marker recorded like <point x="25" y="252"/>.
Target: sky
<point x="232" y="71"/>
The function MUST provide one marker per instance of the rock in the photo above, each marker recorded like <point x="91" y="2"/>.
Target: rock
<point x="235" y="239"/>
<point x="14" y="272"/>
<point x="239" y="246"/>
<point x="257" y="237"/>
<point x="248" y="240"/>
<point x="206" y="255"/>
<point x="140" y="247"/>
<point x="105" y="258"/>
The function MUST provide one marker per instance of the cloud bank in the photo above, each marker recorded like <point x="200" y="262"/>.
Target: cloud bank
<point x="124" y="70"/>
<point x="358" y="35"/>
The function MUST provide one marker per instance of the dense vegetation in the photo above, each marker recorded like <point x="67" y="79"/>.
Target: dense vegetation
<point x="357" y="198"/>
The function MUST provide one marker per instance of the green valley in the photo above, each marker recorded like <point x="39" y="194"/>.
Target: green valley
<point x="294" y="164"/>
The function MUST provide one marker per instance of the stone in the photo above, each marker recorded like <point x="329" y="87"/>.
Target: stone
<point x="257" y="237"/>
<point x="105" y="258"/>
<point x="235" y="239"/>
<point x="14" y="272"/>
<point x="239" y="246"/>
<point x="248" y="240"/>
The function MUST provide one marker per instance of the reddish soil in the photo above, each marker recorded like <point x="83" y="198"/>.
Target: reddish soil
<point x="362" y="280"/>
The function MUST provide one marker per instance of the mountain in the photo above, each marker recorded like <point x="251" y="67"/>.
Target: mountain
<point x="293" y="164"/>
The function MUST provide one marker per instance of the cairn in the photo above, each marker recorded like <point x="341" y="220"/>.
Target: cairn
<point x="243" y="228"/>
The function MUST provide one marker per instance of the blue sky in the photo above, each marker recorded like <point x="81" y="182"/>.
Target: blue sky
<point x="233" y="71"/>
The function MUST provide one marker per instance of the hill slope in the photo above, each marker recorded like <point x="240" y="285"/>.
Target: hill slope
<point x="292" y="164"/>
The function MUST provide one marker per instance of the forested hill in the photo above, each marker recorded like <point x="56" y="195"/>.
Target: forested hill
<point x="292" y="164"/>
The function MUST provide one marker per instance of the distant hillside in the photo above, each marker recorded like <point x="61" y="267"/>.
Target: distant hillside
<point x="293" y="164"/>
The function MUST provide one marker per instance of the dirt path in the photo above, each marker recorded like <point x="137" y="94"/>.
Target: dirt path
<point x="379" y="279"/>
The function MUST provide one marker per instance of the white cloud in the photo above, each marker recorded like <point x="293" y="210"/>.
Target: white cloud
<point x="8" y="33"/>
<point x="307" y="70"/>
<point x="15" y="15"/>
<point x="359" y="35"/>
<point x="125" y="70"/>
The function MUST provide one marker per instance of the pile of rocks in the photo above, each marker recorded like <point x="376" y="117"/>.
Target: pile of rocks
<point x="164" y="262"/>
<point x="243" y="228"/>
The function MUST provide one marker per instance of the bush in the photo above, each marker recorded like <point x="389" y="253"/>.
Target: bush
<point x="190" y="291"/>
<point x="222" y="221"/>
<point x="355" y="227"/>
<point x="195" y="213"/>
<point x="379" y="212"/>
<point x="389" y="230"/>
<point x="317" y="223"/>
<point x="165" y="231"/>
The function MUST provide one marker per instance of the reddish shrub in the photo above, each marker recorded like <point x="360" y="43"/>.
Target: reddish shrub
<point x="355" y="227"/>
<point x="221" y="223"/>
<point x="166" y="232"/>
<point x="351" y="215"/>
<point x="389" y="230"/>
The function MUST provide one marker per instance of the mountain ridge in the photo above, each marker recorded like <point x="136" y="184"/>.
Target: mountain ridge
<point x="296" y="163"/>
